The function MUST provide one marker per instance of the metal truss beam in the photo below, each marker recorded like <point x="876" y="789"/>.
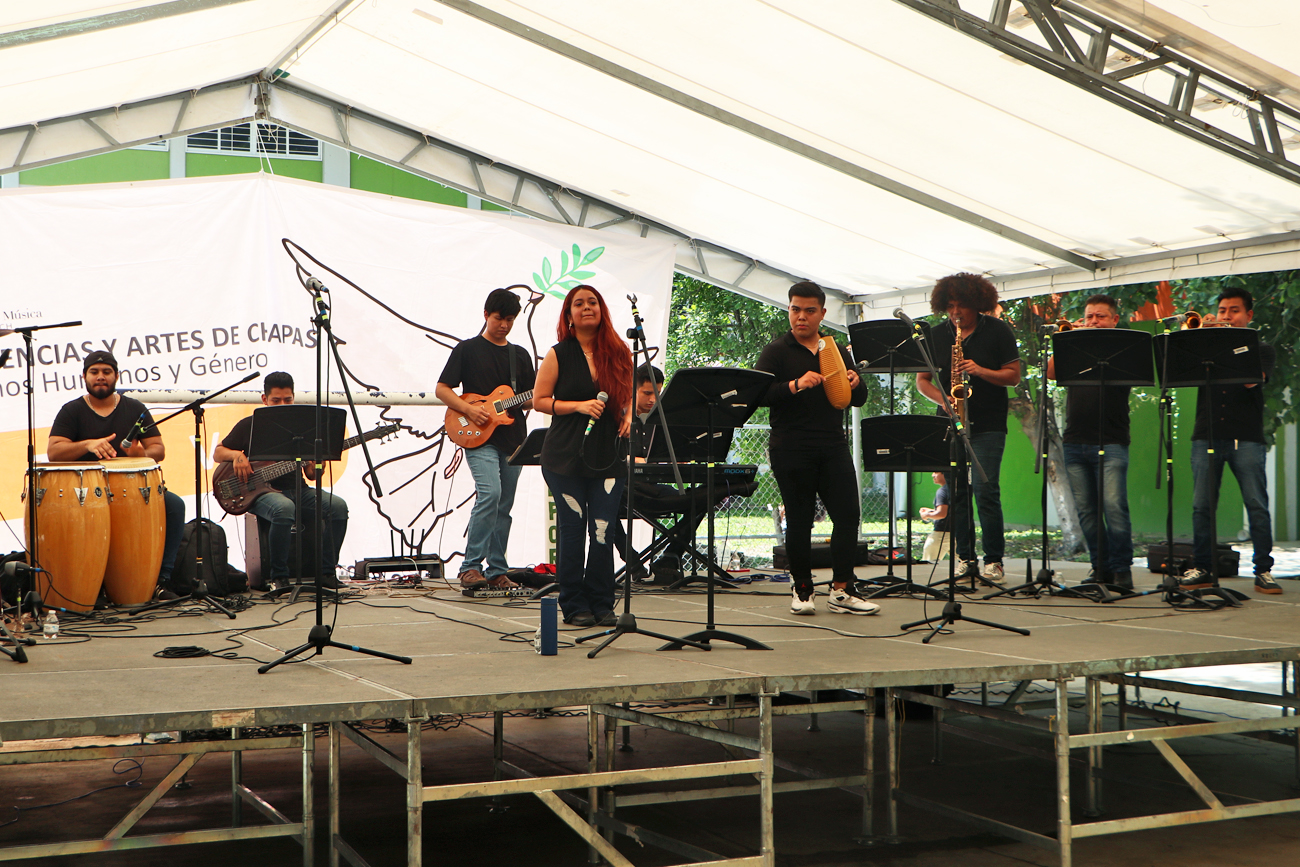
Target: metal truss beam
<point x="1101" y="57"/>
<point x="108" y="21"/>
<point x="453" y="166"/>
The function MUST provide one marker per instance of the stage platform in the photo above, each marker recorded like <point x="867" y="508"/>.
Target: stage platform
<point x="474" y="655"/>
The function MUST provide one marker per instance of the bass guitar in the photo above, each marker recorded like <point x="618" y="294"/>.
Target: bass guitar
<point x="468" y="435"/>
<point x="236" y="497"/>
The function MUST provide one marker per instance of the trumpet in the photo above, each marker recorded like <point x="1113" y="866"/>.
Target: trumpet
<point x="1063" y="325"/>
<point x="1191" y="319"/>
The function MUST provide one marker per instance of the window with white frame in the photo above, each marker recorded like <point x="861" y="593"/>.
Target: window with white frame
<point x="270" y="140"/>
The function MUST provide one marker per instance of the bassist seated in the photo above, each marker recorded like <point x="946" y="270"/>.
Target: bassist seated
<point x="277" y="506"/>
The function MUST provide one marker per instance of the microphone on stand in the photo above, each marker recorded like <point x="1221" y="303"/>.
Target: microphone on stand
<point x="315" y="285"/>
<point x="907" y="320"/>
<point x="1177" y="319"/>
<point x="129" y="439"/>
<point x="603" y="398"/>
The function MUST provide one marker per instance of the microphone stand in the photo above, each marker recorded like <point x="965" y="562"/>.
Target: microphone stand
<point x="200" y="589"/>
<point x="320" y="636"/>
<point x="626" y="623"/>
<point x="952" y="608"/>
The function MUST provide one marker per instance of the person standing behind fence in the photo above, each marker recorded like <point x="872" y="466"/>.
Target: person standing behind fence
<point x="936" y="544"/>
<point x="810" y="455"/>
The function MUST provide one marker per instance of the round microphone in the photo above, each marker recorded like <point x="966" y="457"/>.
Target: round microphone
<point x="603" y="398"/>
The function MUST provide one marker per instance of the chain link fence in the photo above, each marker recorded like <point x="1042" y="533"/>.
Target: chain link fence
<point x="751" y="526"/>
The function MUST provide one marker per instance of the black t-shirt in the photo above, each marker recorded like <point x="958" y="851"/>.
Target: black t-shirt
<point x="993" y="345"/>
<point x="1083" y="412"/>
<point x="1238" y="409"/>
<point x="943" y="497"/>
<point x="77" y="421"/>
<point x="238" y="440"/>
<point x="807" y="417"/>
<point x="481" y="366"/>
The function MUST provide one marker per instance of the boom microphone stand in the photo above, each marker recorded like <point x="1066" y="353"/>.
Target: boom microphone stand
<point x="626" y="623"/>
<point x="961" y="445"/>
<point x="321" y="636"/>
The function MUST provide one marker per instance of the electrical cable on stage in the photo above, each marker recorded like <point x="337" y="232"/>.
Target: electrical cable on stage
<point x="130" y="765"/>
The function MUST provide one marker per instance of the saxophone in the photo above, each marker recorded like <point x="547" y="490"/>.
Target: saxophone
<point x="959" y="388"/>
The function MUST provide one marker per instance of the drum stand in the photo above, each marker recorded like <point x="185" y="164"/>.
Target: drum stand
<point x="200" y="591"/>
<point x="321" y="635"/>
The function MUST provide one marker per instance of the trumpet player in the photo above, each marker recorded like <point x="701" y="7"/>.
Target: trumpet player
<point x="1238" y="412"/>
<point x="1086" y="461"/>
<point x="810" y="456"/>
<point x="987" y="362"/>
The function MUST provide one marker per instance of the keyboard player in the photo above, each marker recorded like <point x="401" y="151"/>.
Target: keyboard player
<point x="667" y="568"/>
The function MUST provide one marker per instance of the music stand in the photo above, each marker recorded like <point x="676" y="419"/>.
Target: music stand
<point x="1100" y="357"/>
<point x="910" y="443"/>
<point x="1208" y="357"/>
<point x="713" y="397"/>
<point x="880" y="345"/>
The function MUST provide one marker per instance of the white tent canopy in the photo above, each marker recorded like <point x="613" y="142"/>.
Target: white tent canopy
<point x="871" y="145"/>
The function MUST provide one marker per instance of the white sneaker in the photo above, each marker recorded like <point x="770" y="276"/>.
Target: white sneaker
<point x="993" y="572"/>
<point x="845" y="601"/>
<point x="966" y="568"/>
<point x="801" y="603"/>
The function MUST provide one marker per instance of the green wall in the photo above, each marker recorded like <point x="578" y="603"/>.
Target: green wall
<point x="124" y="165"/>
<point x="207" y="165"/>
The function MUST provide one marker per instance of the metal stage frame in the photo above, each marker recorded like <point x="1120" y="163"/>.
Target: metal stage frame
<point x="72" y="690"/>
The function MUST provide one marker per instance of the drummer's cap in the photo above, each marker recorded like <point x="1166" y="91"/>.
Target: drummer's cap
<point x="99" y="356"/>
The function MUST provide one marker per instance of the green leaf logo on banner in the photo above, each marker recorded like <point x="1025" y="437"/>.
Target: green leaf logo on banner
<point x="559" y="284"/>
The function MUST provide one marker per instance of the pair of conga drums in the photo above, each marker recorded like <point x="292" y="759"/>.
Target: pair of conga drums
<point x="101" y="525"/>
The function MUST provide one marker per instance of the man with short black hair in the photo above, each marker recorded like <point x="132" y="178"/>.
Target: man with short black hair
<point x="482" y="364"/>
<point x="1111" y="553"/>
<point x="810" y="455"/>
<point x="1238" y="413"/>
<point x="278" y="506"/>
<point x="92" y="428"/>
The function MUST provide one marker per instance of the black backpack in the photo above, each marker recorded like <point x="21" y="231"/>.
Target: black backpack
<point x="209" y="540"/>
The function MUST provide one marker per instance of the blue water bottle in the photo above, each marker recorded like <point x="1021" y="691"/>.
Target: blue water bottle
<point x="546" y="632"/>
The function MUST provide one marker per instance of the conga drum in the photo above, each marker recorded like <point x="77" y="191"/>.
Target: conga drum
<point x="73" y="528"/>
<point x="139" y="528"/>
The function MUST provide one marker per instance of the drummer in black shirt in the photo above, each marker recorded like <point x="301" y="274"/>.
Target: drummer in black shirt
<point x="810" y="455"/>
<point x="93" y="427"/>
<point x="1112" y="559"/>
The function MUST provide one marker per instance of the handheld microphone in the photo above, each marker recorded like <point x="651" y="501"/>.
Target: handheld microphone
<point x="907" y="320"/>
<point x="591" y="423"/>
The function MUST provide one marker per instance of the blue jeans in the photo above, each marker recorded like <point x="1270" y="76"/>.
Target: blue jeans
<point x="277" y="507"/>
<point x="585" y="509"/>
<point x="988" y="449"/>
<point x="1247" y="462"/>
<point x="489" y="521"/>
<point x="175" y="509"/>
<point x="1115" y="550"/>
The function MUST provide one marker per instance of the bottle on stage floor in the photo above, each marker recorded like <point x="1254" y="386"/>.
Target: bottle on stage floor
<point x="50" y="625"/>
<point x="546" y="630"/>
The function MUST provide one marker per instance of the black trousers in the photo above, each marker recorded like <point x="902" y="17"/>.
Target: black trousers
<point x="803" y="474"/>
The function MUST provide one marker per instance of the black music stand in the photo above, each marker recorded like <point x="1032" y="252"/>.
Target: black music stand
<point x="880" y="345"/>
<point x="910" y="443"/>
<point x="713" y="397"/>
<point x="1207" y="357"/>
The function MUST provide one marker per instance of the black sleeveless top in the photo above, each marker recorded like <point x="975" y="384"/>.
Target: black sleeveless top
<point x="563" y="451"/>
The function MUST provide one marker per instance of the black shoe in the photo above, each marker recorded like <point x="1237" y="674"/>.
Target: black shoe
<point x="667" y="569"/>
<point x="1197" y="579"/>
<point x="165" y="595"/>
<point x="1101" y="577"/>
<point x="638" y="573"/>
<point x="581" y="619"/>
<point x="1122" y="578"/>
<point x="328" y="582"/>
<point x="608" y="618"/>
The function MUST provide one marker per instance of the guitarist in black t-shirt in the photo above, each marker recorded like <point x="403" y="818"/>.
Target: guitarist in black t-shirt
<point x="95" y="426"/>
<point x="482" y="365"/>
<point x="277" y="506"/>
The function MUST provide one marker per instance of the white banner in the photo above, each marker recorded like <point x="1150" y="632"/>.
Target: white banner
<point x="188" y="284"/>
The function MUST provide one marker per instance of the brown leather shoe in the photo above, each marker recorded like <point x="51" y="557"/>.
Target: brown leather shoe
<point x="501" y="582"/>
<point x="472" y="579"/>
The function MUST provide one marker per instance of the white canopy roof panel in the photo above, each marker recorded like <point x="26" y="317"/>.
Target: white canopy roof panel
<point x="871" y="145"/>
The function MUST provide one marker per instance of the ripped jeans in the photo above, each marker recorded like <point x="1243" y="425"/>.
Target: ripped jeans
<point x="585" y="509"/>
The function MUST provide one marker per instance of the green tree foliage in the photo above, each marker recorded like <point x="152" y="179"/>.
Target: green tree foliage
<point x="711" y="327"/>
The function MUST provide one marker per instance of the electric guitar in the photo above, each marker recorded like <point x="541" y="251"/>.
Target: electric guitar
<point x="236" y="497"/>
<point x="468" y="435"/>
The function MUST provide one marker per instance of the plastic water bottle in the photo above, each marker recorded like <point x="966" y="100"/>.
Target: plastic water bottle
<point x="50" y="626"/>
<point x="546" y="630"/>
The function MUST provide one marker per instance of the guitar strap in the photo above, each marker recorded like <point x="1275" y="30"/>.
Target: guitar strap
<point x="513" y="362"/>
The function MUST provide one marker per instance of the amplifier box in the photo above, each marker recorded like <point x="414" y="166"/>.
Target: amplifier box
<point x="821" y="555"/>
<point x="429" y="564"/>
<point x="1226" y="561"/>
